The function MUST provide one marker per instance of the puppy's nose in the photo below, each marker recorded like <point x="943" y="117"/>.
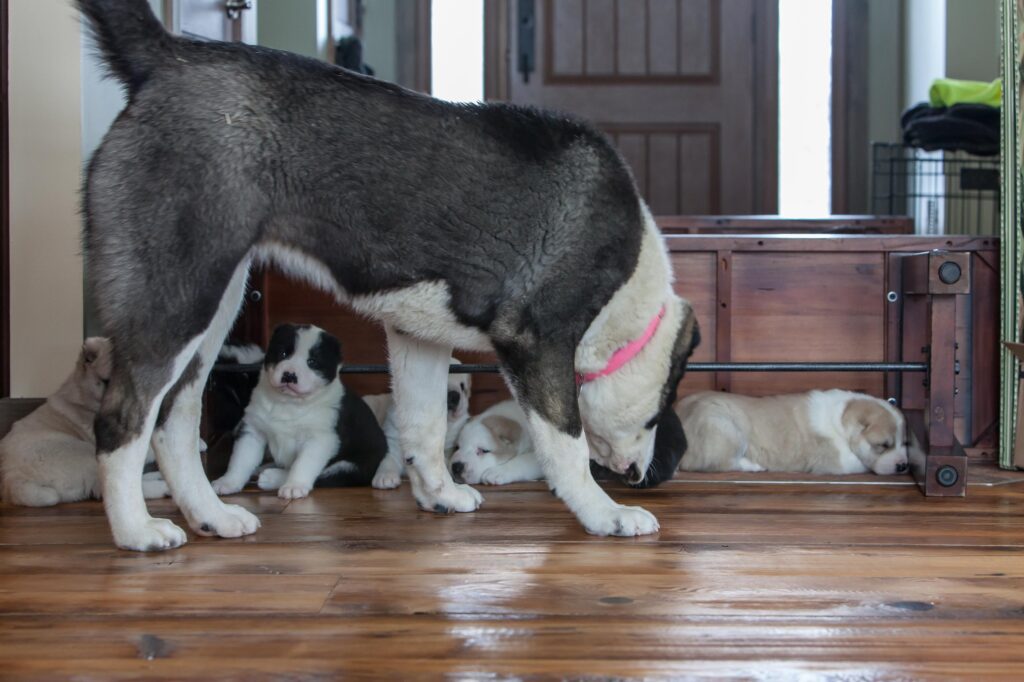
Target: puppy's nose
<point x="289" y="378"/>
<point x="902" y="467"/>
<point x="633" y="473"/>
<point x="453" y="400"/>
<point x="458" y="468"/>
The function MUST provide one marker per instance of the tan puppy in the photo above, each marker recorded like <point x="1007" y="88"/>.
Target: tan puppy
<point x="821" y="432"/>
<point x="50" y="455"/>
<point x="494" y="448"/>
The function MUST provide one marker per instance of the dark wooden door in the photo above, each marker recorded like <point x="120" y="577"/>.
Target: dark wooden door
<point x="686" y="88"/>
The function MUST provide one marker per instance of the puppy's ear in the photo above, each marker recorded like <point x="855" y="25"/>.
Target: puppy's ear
<point x="870" y="419"/>
<point x="93" y="348"/>
<point x="506" y="430"/>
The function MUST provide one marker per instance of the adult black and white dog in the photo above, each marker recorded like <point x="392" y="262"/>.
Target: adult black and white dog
<point x="318" y="432"/>
<point x="489" y="227"/>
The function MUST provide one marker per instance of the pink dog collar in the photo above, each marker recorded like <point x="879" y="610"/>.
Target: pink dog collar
<point x="624" y="354"/>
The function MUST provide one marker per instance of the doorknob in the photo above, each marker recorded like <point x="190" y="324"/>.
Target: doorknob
<point x="234" y="8"/>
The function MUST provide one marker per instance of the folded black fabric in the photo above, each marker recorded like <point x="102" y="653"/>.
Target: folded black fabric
<point x="972" y="128"/>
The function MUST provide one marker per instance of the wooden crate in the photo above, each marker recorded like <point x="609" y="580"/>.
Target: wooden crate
<point x="816" y="298"/>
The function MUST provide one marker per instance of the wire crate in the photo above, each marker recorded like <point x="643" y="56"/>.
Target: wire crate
<point x="944" y="192"/>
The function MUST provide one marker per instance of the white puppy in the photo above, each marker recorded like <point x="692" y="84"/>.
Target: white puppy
<point x="50" y="455"/>
<point x="494" y="448"/>
<point x="389" y="473"/>
<point x="821" y="432"/>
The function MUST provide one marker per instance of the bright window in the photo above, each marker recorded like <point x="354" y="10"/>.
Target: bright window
<point x="457" y="50"/>
<point x="805" y="99"/>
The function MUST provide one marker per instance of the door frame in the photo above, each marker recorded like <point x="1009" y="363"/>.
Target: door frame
<point x="5" y="214"/>
<point x="498" y="69"/>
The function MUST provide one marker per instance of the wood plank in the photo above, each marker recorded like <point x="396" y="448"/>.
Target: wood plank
<point x="744" y="579"/>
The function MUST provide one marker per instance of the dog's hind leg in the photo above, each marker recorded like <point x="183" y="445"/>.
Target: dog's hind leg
<point x="124" y="427"/>
<point x="176" y="439"/>
<point x="544" y="383"/>
<point x="419" y="379"/>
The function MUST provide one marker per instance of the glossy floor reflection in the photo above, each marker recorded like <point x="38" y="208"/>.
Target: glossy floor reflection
<point x="745" y="579"/>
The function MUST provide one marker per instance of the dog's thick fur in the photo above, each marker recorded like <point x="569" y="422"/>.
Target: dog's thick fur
<point x="488" y="227"/>
<point x="821" y="432"/>
<point x="50" y="456"/>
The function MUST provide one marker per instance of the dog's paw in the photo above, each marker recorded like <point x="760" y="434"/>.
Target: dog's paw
<point x="453" y="497"/>
<point x="620" y="520"/>
<point x="153" y="535"/>
<point x="227" y="486"/>
<point x="495" y="476"/>
<point x="293" y="491"/>
<point x="227" y="521"/>
<point x="271" y="478"/>
<point x="386" y="480"/>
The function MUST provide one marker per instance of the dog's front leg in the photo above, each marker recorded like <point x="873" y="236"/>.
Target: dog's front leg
<point x="419" y="378"/>
<point x="566" y="463"/>
<point x="245" y="457"/>
<point x="307" y="466"/>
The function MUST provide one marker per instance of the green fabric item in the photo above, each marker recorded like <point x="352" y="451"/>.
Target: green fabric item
<point x="945" y="92"/>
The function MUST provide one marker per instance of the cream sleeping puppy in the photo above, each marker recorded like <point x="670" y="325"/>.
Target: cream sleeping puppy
<point x="494" y="448"/>
<point x="821" y="432"/>
<point x="389" y="473"/>
<point x="50" y="455"/>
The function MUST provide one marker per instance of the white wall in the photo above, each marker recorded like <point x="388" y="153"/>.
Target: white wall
<point x="972" y="39"/>
<point x="924" y="51"/>
<point x="298" y="26"/>
<point x="45" y="169"/>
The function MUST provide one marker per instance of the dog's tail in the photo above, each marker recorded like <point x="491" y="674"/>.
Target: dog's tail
<point x="130" y="38"/>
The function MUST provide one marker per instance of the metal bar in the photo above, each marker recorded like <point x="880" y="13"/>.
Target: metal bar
<point x="691" y="367"/>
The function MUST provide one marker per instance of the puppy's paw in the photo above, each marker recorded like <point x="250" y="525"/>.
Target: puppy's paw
<point x="271" y="478"/>
<point x="153" y="535"/>
<point x="227" y="486"/>
<point x="495" y="476"/>
<point x="386" y="480"/>
<point x="227" y="521"/>
<point x="452" y="497"/>
<point x="293" y="491"/>
<point x="620" y="520"/>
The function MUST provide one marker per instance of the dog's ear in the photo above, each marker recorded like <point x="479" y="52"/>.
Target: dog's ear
<point x="669" y="448"/>
<point x="869" y="419"/>
<point x="93" y="348"/>
<point x="506" y="430"/>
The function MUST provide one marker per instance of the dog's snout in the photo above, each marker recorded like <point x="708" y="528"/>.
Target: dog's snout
<point x="458" y="468"/>
<point x="289" y="378"/>
<point x="901" y="467"/>
<point x="453" y="400"/>
<point x="633" y="473"/>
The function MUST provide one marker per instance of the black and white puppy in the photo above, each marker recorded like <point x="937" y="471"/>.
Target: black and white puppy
<point x="317" y="432"/>
<point x="487" y="227"/>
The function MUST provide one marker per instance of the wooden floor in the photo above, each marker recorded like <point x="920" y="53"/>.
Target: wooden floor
<point x="744" y="580"/>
